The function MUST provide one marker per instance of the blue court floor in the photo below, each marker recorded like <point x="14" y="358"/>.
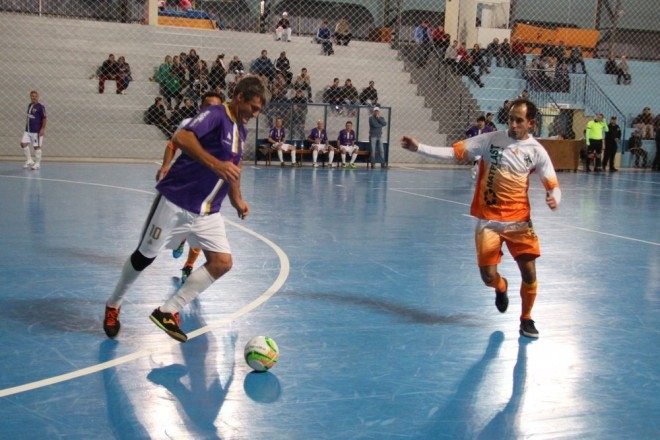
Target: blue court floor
<point x="366" y="279"/>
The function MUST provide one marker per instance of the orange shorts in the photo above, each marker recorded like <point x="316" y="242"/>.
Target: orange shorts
<point x="519" y="237"/>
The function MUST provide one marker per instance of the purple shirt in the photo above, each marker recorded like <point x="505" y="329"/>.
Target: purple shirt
<point x="36" y="113"/>
<point x="277" y="134"/>
<point x="474" y="131"/>
<point x="189" y="184"/>
<point x="319" y="134"/>
<point x="347" y="137"/>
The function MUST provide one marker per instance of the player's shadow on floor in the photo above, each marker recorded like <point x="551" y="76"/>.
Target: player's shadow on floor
<point x="458" y="418"/>
<point x="398" y="310"/>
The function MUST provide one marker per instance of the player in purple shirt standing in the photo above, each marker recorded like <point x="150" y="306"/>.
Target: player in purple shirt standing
<point x="35" y="127"/>
<point x="188" y="204"/>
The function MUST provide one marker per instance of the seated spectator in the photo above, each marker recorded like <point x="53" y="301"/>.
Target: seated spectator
<point x="188" y="110"/>
<point x="479" y="59"/>
<point x="465" y="67"/>
<point x="218" y="73"/>
<point x="236" y="66"/>
<point x="610" y="66"/>
<point x="283" y="28"/>
<point x="576" y="57"/>
<point x="635" y="147"/>
<point x="518" y="53"/>
<point x="559" y="53"/>
<point x="548" y="50"/>
<point x="323" y="37"/>
<point x="479" y="128"/>
<point x="263" y="66"/>
<point x="156" y="115"/>
<point x="304" y="82"/>
<point x="342" y="32"/>
<point x="200" y="81"/>
<point x="185" y="5"/>
<point x="489" y="122"/>
<point x="451" y="54"/>
<point x="179" y="70"/>
<point x="623" y="71"/>
<point x="318" y="139"/>
<point x="283" y="67"/>
<point x="110" y="71"/>
<point x="440" y="40"/>
<point x="494" y="50"/>
<point x="461" y="52"/>
<point x="369" y="95"/>
<point x="277" y="138"/>
<point x="125" y="72"/>
<point x="643" y="122"/>
<point x="347" y="145"/>
<point x="350" y="96"/>
<point x="503" y="113"/>
<point x="332" y="95"/>
<point x="533" y="74"/>
<point x="231" y="85"/>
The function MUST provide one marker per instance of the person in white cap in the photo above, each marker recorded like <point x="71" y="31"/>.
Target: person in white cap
<point x="283" y="28"/>
<point x="376" y="124"/>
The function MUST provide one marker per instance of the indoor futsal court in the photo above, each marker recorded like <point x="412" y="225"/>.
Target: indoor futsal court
<point x="367" y="281"/>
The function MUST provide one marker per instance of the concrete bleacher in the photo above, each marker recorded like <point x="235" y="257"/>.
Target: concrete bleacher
<point x="58" y="56"/>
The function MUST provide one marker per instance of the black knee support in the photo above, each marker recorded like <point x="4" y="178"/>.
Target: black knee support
<point x="140" y="262"/>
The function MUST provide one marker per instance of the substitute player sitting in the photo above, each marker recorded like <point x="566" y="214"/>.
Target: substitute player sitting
<point x="500" y="201"/>
<point x="319" y="139"/>
<point x="347" y="146"/>
<point x="276" y="138"/>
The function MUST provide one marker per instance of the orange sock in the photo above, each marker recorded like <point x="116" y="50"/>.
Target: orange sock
<point x="498" y="283"/>
<point x="528" y="295"/>
<point x="192" y="256"/>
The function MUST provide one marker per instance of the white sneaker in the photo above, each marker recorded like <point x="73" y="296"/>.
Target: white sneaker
<point x="315" y="165"/>
<point x="28" y="164"/>
<point x="36" y="166"/>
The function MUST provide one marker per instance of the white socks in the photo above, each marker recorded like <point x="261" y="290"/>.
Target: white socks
<point x="198" y="281"/>
<point x="126" y="279"/>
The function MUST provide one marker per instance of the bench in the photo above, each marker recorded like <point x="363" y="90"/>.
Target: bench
<point x="265" y="152"/>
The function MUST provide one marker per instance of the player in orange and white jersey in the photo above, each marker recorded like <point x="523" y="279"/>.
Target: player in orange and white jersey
<point x="501" y="202"/>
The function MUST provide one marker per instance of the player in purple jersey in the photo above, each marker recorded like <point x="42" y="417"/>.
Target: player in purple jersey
<point x="188" y="204"/>
<point x="35" y="127"/>
<point x="346" y="142"/>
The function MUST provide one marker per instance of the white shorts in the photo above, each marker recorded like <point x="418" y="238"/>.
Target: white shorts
<point x="167" y="225"/>
<point x="32" y="138"/>
<point x="350" y="149"/>
<point x="323" y="148"/>
<point x="285" y="147"/>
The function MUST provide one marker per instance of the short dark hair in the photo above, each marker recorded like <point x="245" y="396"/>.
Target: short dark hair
<point x="207" y="95"/>
<point x="481" y="119"/>
<point x="251" y="86"/>
<point x="532" y="111"/>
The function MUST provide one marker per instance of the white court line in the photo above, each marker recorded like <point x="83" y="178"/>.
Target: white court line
<point x="594" y="231"/>
<point x="272" y="290"/>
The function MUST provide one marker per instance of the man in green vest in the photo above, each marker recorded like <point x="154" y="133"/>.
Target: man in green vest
<point x="594" y="135"/>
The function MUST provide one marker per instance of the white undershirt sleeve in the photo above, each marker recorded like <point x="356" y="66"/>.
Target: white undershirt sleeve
<point x="445" y="153"/>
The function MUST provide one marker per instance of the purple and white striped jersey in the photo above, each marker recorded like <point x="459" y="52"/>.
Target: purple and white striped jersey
<point x="189" y="184"/>
<point x="347" y="137"/>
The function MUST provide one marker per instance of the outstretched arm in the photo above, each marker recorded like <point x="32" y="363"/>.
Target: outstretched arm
<point x="411" y="144"/>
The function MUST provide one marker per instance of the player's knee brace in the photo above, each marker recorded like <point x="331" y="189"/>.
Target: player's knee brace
<point x="140" y="262"/>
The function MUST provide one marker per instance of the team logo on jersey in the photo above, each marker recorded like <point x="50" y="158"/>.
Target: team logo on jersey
<point x="490" y="197"/>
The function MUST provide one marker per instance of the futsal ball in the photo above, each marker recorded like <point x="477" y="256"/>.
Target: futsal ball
<point x="261" y="353"/>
